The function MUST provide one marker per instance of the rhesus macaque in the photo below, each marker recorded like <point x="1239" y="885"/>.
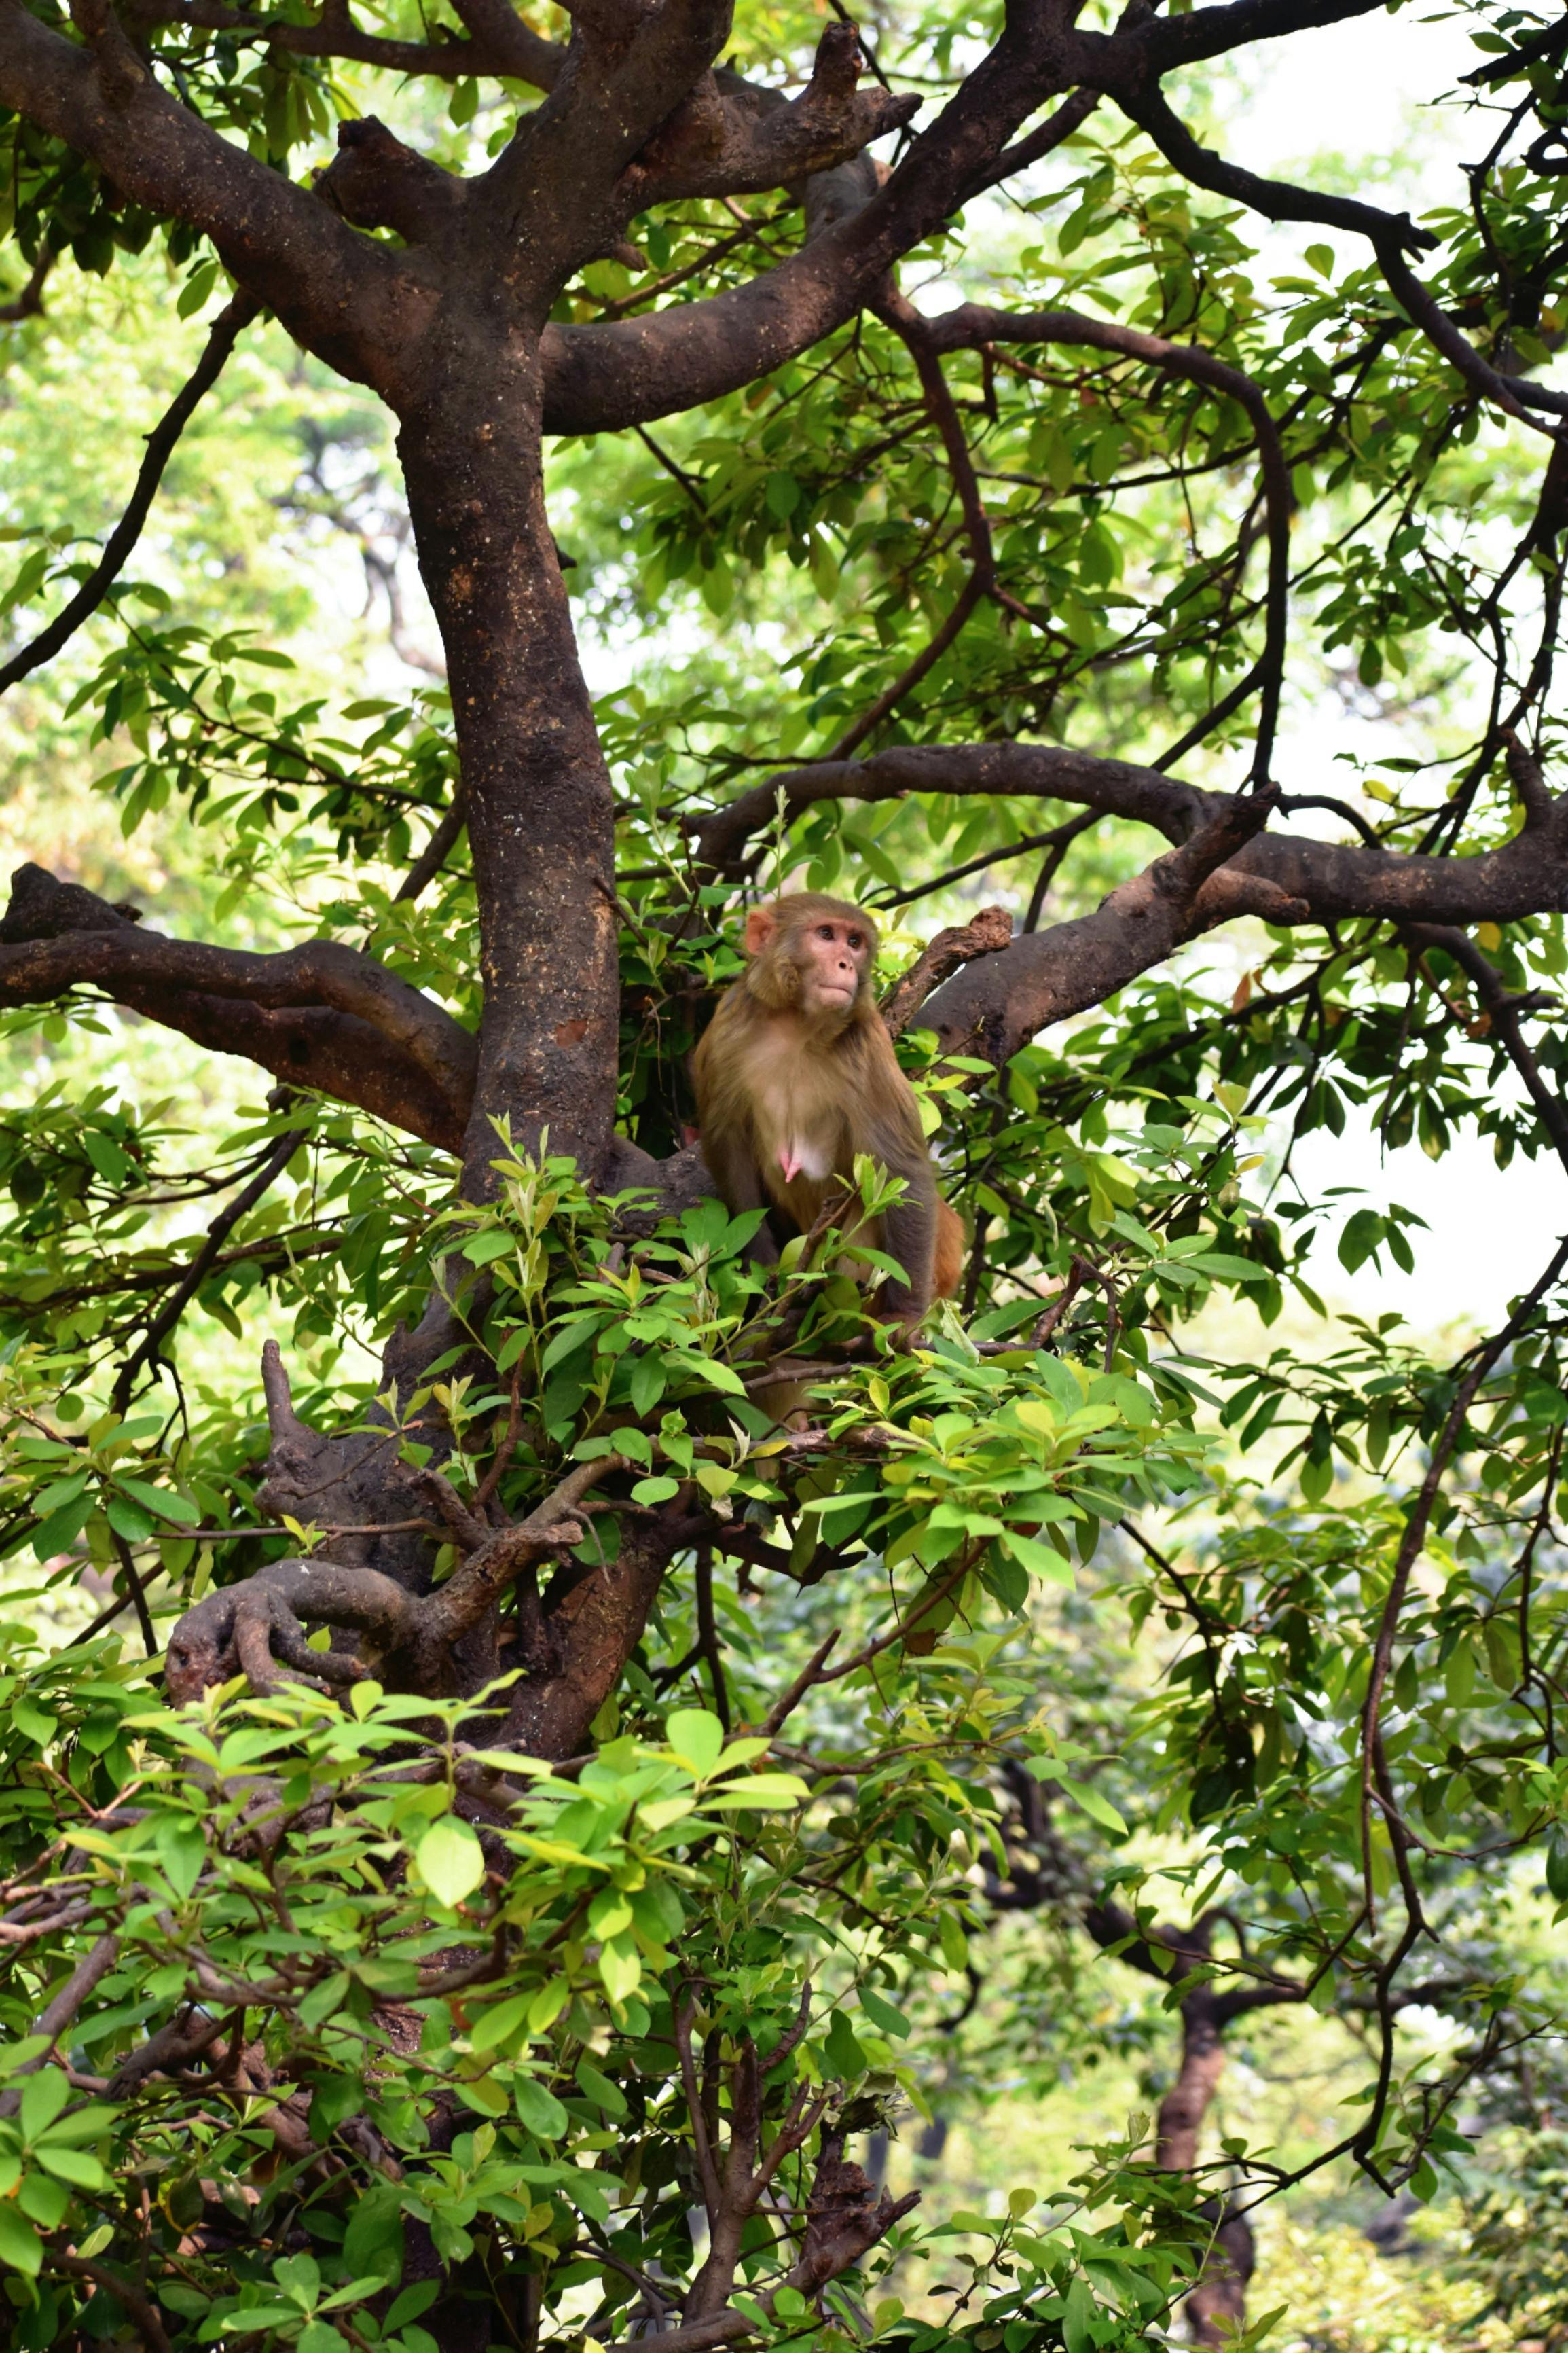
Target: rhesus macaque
<point x="796" y="1075"/>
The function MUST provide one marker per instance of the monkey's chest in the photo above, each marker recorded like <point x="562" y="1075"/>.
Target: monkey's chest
<point x="801" y="1133"/>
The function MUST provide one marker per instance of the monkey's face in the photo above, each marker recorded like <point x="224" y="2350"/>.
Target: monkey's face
<point x="831" y="955"/>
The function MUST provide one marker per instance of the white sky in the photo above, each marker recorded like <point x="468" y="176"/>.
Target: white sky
<point x="1359" y="91"/>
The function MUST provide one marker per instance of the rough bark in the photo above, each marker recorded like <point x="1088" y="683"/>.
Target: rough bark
<point x="539" y="812"/>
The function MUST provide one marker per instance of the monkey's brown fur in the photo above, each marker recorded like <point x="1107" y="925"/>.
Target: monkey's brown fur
<point x="790" y="1089"/>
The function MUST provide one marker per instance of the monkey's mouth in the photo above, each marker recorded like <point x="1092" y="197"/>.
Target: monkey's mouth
<point x="835" y="988"/>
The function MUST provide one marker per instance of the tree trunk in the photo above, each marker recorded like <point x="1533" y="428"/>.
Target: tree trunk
<point x="541" y="815"/>
<point x="541" y="825"/>
<point x="1216" y="2307"/>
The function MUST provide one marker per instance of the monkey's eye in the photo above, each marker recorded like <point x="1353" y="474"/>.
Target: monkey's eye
<point x="857" y="940"/>
<point x="824" y="931"/>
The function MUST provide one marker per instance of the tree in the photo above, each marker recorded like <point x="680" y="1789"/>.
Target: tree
<point x="560" y="1454"/>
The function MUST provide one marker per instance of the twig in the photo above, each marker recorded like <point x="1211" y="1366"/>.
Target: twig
<point x="1376" y="1786"/>
<point x="29" y="302"/>
<point x="991" y="929"/>
<point x="143" y="2311"/>
<point x="790" y="1699"/>
<point x="218" y="1233"/>
<point x="707" y="1634"/>
<point x="135" y="1591"/>
<point x="237" y="315"/>
<point x="433" y="857"/>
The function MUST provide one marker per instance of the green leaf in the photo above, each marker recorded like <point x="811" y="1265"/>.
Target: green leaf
<point x="157" y="1499"/>
<point x="539" y="2110"/>
<point x="1557" y="1867"/>
<point x="485" y="1248"/>
<point x="373" y="2242"/>
<point x="19" y="2245"/>
<point x="842" y="2054"/>
<point x="61" y="1529"/>
<point x="697" y="1736"/>
<point x="601" y="2091"/>
<point x="76" y="2165"/>
<point x="181" y="1850"/>
<point x="499" y="2022"/>
<point x="764" y="1791"/>
<point x="655" y="1491"/>
<point x="883" y="2014"/>
<point x="451" y="1860"/>
<point x="1098" y="1808"/>
<point x="127" y="1519"/>
<point x="43" y="2096"/>
<point x="1041" y="1560"/>
<point x="620" y="1966"/>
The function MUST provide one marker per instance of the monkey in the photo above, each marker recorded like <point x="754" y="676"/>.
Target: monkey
<point x="796" y="1073"/>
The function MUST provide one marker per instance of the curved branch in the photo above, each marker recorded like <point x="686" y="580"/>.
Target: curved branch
<point x="1047" y="771"/>
<point x="321" y="1015"/>
<point x="1512" y="393"/>
<point x="1276" y="200"/>
<point x="971" y="325"/>
<point x="29" y="302"/>
<point x="995" y="1006"/>
<point x="991" y="929"/>
<point x="598" y="378"/>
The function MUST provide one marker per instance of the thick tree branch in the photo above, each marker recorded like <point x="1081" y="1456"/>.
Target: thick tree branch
<point x="730" y="142"/>
<point x="353" y="302"/>
<point x="995" y="1006"/>
<point x="321" y="1015"/>
<point x="600" y="377"/>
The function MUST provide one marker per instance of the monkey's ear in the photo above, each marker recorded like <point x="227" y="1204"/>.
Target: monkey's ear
<point x="761" y="925"/>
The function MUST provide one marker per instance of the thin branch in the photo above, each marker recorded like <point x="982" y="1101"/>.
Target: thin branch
<point x="196" y="1274"/>
<point x="135" y="1591"/>
<point x="237" y="315"/>
<point x="991" y="929"/>
<point x="29" y="302"/>
<point x="433" y="857"/>
<point x="971" y="324"/>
